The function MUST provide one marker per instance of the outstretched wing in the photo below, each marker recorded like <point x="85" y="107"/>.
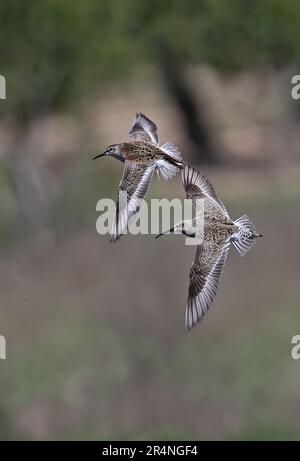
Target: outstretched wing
<point x="204" y="281"/>
<point x="143" y="129"/>
<point x="199" y="187"/>
<point x="132" y="189"/>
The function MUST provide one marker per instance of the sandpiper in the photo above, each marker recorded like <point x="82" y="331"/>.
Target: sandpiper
<point x="218" y="232"/>
<point x="142" y="155"/>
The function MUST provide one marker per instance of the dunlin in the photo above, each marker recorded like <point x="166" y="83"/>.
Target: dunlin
<point x="219" y="230"/>
<point x="142" y="155"/>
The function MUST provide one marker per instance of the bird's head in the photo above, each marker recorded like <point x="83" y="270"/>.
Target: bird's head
<point x="114" y="150"/>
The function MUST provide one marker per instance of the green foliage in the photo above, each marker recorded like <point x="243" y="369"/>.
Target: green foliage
<point x="227" y="34"/>
<point x="54" y="51"/>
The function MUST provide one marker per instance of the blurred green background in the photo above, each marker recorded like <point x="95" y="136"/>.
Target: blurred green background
<point x="96" y="347"/>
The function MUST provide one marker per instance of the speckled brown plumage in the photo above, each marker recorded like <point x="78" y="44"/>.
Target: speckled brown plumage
<point x="142" y="156"/>
<point x="218" y="231"/>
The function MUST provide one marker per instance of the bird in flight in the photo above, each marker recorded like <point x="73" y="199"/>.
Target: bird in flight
<point x="218" y="231"/>
<point x="141" y="156"/>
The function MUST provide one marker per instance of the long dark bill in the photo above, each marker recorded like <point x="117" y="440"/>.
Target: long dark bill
<point x="99" y="155"/>
<point x="163" y="233"/>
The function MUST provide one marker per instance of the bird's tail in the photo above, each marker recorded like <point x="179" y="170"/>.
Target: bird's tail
<point x="171" y="164"/>
<point x="245" y="237"/>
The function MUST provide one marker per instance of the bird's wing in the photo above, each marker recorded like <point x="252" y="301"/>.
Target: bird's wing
<point x="132" y="189"/>
<point x="204" y="281"/>
<point x="197" y="187"/>
<point x="143" y="129"/>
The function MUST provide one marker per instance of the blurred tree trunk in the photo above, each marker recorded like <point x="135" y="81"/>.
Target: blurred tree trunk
<point x="26" y="181"/>
<point x="193" y="114"/>
<point x="25" y="175"/>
